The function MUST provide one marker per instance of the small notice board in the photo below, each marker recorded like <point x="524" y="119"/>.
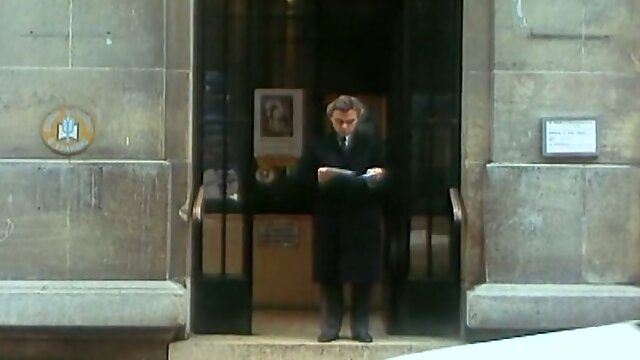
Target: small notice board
<point x="570" y="137"/>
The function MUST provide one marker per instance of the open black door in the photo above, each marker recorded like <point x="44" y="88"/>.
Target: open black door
<point x="423" y="241"/>
<point x="222" y="242"/>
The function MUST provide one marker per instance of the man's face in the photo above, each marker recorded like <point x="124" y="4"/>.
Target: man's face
<point x="344" y="122"/>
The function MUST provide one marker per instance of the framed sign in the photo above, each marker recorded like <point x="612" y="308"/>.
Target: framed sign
<point x="277" y="131"/>
<point x="278" y="123"/>
<point x="570" y="137"/>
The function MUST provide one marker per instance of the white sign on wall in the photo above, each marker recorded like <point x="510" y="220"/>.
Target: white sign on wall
<point x="569" y="137"/>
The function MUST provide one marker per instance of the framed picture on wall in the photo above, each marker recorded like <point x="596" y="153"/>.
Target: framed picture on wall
<point x="277" y="128"/>
<point x="375" y="116"/>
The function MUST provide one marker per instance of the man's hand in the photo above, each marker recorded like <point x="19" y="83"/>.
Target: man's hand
<point x="375" y="173"/>
<point x="324" y="174"/>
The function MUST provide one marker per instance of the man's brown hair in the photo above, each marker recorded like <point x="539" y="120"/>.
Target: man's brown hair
<point x="345" y="103"/>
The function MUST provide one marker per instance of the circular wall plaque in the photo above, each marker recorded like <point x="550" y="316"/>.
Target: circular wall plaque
<point x="265" y="175"/>
<point x="68" y="131"/>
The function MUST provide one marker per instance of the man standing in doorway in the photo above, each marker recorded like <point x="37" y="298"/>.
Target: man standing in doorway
<point x="345" y="170"/>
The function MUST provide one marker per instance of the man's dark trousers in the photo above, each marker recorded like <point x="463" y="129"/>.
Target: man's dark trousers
<point x="332" y="309"/>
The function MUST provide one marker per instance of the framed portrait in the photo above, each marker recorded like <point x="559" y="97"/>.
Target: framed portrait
<point x="375" y="116"/>
<point x="277" y="126"/>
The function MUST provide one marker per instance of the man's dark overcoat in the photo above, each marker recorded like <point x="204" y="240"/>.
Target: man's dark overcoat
<point x="347" y="210"/>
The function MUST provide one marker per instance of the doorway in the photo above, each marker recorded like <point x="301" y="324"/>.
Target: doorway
<point x="402" y="58"/>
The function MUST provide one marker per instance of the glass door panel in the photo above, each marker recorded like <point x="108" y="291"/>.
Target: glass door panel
<point x="424" y="244"/>
<point x="222" y="271"/>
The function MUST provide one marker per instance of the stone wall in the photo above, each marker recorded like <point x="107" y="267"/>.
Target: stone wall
<point x="530" y="219"/>
<point x="101" y="214"/>
<point x="477" y="117"/>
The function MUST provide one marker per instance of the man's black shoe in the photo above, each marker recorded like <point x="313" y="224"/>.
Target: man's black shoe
<point x="362" y="337"/>
<point x="327" y="337"/>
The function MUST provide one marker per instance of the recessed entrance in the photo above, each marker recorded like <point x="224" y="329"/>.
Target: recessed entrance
<point x="253" y="251"/>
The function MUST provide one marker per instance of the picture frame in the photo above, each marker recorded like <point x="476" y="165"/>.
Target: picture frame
<point x="278" y="124"/>
<point x="278" y="131"/>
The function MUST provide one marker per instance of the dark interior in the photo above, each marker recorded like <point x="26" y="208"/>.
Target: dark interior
<point x="406" y="52"/>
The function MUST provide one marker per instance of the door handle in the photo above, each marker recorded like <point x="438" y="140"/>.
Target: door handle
<point x="196" y="213"/>
<point x="457" y="205"/>
<point x="188" y="212"/>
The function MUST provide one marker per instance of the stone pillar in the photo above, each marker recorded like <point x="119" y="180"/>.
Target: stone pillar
<point x="477" y="117"/>
<point x="560" y="238"/>
<point x="94" y="239"/>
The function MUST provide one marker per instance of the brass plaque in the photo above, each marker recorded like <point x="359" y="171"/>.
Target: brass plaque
<point x="279" y="233"/>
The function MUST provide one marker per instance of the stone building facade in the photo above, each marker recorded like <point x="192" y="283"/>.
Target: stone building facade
<point x="96" y="241"/>
<point x="553" y="239"/>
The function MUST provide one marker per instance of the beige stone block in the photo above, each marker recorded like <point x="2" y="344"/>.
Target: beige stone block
<point x="537" y="35"/>
<point x="178" y="127"/>
<point x="178" y="43"/>
<point x="33" y="34"/>
<point x="543" y="16"/>
<point x="477" y="37"/>
<point x="118" y="34"/>
<point x="574" y="35"/>
<point x="472" y="237"/>
<point x="619" y="21"/>
<point x="83" y="221"/>
<point x="522" y="99"/>
<point x="534" y="223"/>
<point x="612" y="210"/>
<point x="477" y="117"/>
<point x="212" y="242"/>
<point x="562" y="224"/>
<point x="127" y="115"/>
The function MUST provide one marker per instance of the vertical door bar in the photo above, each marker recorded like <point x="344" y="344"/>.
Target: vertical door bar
<point x="197" y="130"/>
<point x="429" y="128"/>
<point x="247" y="182"/>
<point x="225" y="144"/>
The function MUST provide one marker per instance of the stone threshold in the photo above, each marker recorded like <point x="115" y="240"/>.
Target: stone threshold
<point x="292" y="335"/>
<point x="207" y="347"/>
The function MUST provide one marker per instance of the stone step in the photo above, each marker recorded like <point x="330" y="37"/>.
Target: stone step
<point x="292" y="335"/>
<point x="550" y="306"/>
<point x="265" y="347"/>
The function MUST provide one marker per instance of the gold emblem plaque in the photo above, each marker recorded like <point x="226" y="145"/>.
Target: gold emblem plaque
<point x="68" y="131"/>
